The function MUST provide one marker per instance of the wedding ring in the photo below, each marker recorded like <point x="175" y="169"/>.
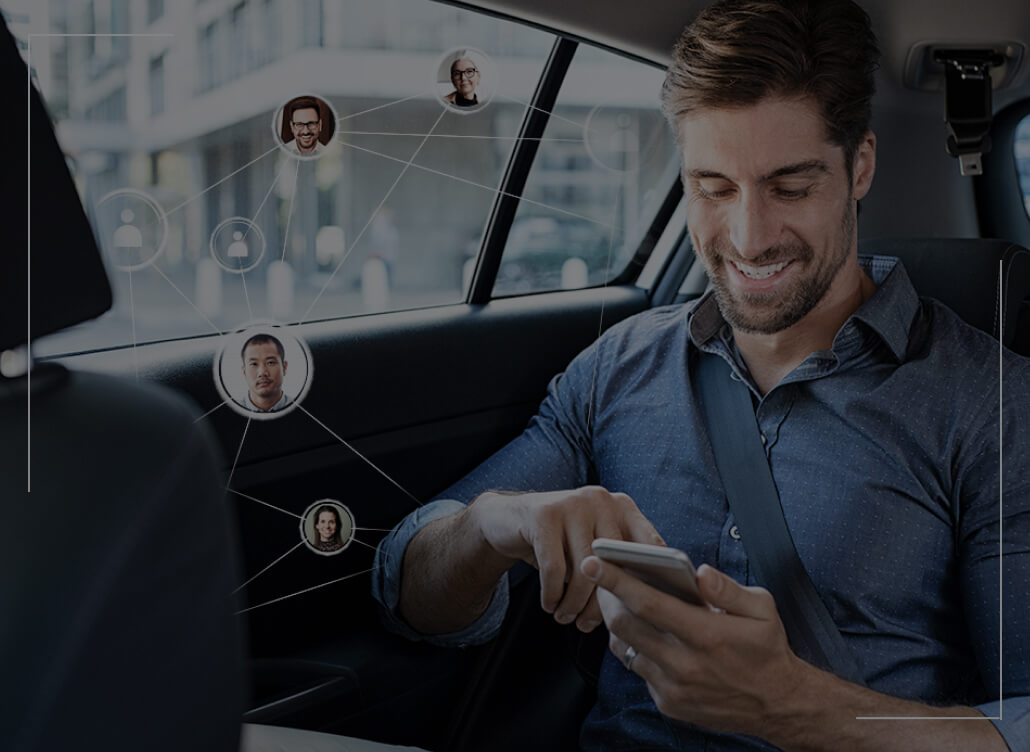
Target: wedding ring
<point x="628" y="656"/>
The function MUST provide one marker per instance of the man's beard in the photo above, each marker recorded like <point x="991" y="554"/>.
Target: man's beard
<point x="768" y="313"/>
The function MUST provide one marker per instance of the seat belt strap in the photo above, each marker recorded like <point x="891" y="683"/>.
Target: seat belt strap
<point x="747" y="480"/>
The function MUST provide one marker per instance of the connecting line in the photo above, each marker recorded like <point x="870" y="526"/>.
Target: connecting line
<point x="362" y="543"/>
<point x="361" y="234"/>
<point x="132" y="317"/>
<point x="186" y="298"/>
<point x="238" y="450"/>
<point x="378" y="107"/>
<point x="600" y="322"/>
<point x="267" y="568"/>
<point x="549" y="113"/>
<point x="214" y="185"/>
<point x="455" y="135"/>
<point x="374" y="529"/>
<point x="490" y="188"/>
<point x="1001" y="486"/>
<point x="220" y="404"/>
<point x="360" y="456"/>
<point x="133" y="34"/>
<point x="28" y="270"/>
<point x="927" y="718"/>
<point x="289" y="215"/>
<point x="246" y="295"/>
<point x="306" y="590"/>
<point x="268" y="193"/>
<point x="265" y="503"/>
<point x="1001" y="531"/>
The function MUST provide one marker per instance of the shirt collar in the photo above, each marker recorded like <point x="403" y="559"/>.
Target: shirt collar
<point x="283" y="402"/>
<point x="888" y="313"/>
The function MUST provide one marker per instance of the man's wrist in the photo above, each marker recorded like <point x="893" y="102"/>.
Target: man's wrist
<point x="824" y="712"/>
<point x="471" y="522"/>
<point x="798" y="703"/>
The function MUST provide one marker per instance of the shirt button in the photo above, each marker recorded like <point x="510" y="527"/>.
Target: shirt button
<point x="735" y="533"/>
<point x="764" y="440"/>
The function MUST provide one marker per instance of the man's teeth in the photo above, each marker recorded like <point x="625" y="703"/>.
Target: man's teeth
<point x="760" y="272"/>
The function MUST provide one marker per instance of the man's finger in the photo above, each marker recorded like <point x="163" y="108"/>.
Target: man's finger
<point x="636" y="660"/>
<point x="665" y="612"/>
<point x="640" y="529"/>
<point x="579" y="588"/>
<point x="632" y="629"/>
<point x="589" y="618"/>
<point x="550" y="557"/>
<point x="724" y="592"/>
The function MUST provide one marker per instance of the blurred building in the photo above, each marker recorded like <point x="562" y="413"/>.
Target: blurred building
<point x="178" y="99"/>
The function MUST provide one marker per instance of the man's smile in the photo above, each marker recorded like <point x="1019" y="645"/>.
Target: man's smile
<point x="760" y="272"/>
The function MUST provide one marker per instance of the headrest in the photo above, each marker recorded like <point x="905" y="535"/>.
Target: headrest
<point x="68" y="284"/>
<point x="963" y="273"/>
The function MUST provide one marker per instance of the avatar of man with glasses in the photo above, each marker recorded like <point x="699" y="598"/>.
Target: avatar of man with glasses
<point x="465" y="77"/>
<point x="305" y="122"/>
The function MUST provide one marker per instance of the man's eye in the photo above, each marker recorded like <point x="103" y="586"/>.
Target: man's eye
<point x="712" y="192"/>
<point x="791" y="194"/>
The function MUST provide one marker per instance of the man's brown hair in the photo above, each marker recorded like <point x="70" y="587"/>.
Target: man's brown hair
<point x="737" y="52"/>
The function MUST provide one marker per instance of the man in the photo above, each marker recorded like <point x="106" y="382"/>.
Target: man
<point x="306" y="125"/>
<point x="264" y="366"/>
<point x="879" y="418"/>
<point x="465" y="77"/>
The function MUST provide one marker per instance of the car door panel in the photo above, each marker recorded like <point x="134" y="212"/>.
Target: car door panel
<point x="400" y="406"/>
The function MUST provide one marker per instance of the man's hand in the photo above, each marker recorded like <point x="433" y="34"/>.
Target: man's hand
<point x="553" y="531"/>
<point x="730" y="668"/>
<point x="725" y="669"/>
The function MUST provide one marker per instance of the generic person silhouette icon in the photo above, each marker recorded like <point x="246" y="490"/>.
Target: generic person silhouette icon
<point x="238" y="246"/>
<point x="128" y="235"/>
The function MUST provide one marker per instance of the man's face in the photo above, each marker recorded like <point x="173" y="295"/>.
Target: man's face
<point x="465" y="77"/>
<point x="264" y="370"/>
<point x="770" y="208"/>
<point x="326" y="525"/>
<point x="306" y="126"/>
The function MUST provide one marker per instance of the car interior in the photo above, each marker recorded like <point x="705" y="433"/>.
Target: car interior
<point x="430" y="271"/>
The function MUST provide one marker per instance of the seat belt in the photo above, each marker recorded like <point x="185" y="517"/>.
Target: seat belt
<point x="747" y="480"/>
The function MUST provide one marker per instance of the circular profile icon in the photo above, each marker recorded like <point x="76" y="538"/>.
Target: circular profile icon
<point x="620" y="139"/>
<point x="466" y="80"/>
<point x="263" y="371"/>
<point x="304" y="126"/>
<point x="237" y="245"/>
<point x="327" y="527"/>
<point x="132" y="228"/>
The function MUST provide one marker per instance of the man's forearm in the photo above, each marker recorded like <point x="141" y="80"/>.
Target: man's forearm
<point x="827" y="713"/>
<point x="449" y="574"/>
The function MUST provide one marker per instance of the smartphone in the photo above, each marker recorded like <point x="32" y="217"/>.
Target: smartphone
<point x="661" y="567"/>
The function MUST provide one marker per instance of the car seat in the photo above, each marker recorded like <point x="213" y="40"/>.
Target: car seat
<point x="964" y="273"/>
<point x="118" y="628"/>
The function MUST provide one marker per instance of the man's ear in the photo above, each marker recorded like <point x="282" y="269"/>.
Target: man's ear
<point x="284" y="366"/>
<point x="864" y="166"/>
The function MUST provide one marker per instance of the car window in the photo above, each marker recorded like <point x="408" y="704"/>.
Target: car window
<point x="216" y="206"/>
<point x="606" y="162"/>
<point x="1022" y="148"/>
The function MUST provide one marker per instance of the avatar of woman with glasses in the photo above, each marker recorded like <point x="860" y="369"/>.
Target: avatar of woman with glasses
<point x="465" y="77"/>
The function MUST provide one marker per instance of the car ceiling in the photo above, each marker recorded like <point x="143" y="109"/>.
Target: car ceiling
<point x="899" y="25"/>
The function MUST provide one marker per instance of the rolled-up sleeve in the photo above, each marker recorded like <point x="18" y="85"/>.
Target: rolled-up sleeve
<point x="386" y="582"/>
<point x="553" y="453"/>
<point x="1012" y="719"/>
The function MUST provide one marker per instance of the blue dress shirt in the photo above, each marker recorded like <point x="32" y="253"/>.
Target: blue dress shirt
<point x="885" y="453"/>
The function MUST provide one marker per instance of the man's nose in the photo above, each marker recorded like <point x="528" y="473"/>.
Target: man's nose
<point x="755" y="226"/>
